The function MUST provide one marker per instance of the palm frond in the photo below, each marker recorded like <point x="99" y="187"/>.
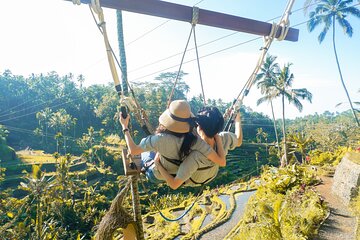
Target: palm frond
<point x="313" y="23"/>
<point x="262" y="99"/>
<point x="303" y="93"/>
<point x="352" y="11"/>
<point x="259" y="76"/>
<point x="326" y="28"/>
<point x="339" y="104"/>
<point x="297" y="104"/>
<point x="343" y="4"/>
<point x="348" y="30"/>
<point x="307" y="5"/>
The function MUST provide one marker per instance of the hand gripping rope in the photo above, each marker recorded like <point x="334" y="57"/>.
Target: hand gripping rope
<point x="130" y="103"/>
<point x="126" y="102"/>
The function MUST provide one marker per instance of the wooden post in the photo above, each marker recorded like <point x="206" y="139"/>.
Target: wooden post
<point x="184" y="13"/>
<point x="134" y="175"/>
<point x="127" y="162"/>
<point x="136" y="207"/>
<point x="129" y="233"/>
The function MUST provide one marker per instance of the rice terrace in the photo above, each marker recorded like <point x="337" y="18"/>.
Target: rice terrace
<point x="169" y="119"/>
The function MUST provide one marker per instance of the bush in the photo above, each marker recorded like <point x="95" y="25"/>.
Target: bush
<point x="284" y="207"/>
<point x="320" y="158"/>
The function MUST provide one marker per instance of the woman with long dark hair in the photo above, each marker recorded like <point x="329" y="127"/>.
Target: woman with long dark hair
<point x="173" y="141"/>
<point x="197" y="169"/>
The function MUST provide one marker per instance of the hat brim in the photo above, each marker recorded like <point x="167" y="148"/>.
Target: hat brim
<point x="173" y="125"/>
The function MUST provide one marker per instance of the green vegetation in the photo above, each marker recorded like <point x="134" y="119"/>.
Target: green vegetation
<point x="61" y="206"/>
<point x="285" y="206"/>
<point x="63" y="190"/>
<point x="6" y="153"/>
<point x="328" y="158"/>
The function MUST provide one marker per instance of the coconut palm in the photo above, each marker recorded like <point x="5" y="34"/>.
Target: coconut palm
<point x="328" y="12"/>
<point x="284" y="81"/>
<point x="120" y="34"/>
<point x="38" y="186"/>
<point x="300" y="143"/>
<point x="44" y="120"/>
<point x="355" y="103"/>
<point x="266" y="79"/>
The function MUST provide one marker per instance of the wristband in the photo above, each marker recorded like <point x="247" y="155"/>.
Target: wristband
<point x="125" y="130"/>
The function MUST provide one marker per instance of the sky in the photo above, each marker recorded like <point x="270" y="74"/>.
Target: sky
<point x="40" y="36"/>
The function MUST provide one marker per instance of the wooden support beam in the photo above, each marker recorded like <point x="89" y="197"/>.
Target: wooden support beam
<point x="184" y="13"/>
<point x="127" y="163"/>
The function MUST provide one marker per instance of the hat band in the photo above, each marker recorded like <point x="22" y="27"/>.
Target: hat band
<point x="179" y="119"/>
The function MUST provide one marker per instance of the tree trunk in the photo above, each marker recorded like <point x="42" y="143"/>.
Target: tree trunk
<point x="276" y="133"/>
<point x="46" y="135"/>
<point x="341" y="77"/>
<point x="284" y="132"/>
<point x="64" y="145"/>
<point x="120" y="33"/>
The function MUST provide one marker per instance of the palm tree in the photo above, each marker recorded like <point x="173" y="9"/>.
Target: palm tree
<point x="329" y="12"/>
<point x="300" y="143"/>
<point x="120" y="34"/>
<point x="266" y="79"/>
<point x="355" y="103"/>
<point x="38" y="186"/>
<point x="44" y="117"/>
<point x="284" y="81"/>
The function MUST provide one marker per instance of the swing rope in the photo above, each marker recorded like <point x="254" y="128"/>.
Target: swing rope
<point x="195" y="19"/>
<point x="140" y="114"/>
<point x="179" y="71"/>
<point x="131" y="103"/>
<point x="284" y="24"/>
<point x="194" y="22"/>
<point x="95" y="6"/>
<point x="162" y="214"/>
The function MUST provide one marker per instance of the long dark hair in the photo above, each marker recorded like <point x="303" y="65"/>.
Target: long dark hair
<point x="210" y="121"/>
<point x="189" y="139"/>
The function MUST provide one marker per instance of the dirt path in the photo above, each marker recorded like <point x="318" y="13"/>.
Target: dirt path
<point x="341" y="224"/>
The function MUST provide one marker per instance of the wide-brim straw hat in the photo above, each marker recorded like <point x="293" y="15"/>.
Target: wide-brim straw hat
<point x="177" y="117"/>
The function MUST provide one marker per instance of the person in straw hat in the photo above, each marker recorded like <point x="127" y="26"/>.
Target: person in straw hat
<point x="173" y="140"/>
<point x="196" y="169"/>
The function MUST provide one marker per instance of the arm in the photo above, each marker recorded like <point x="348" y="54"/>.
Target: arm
<point x="219" y="157"/>
<point x="238" y="130"/>
<point x="133" y="148"/>
<point x="173" y="182"/>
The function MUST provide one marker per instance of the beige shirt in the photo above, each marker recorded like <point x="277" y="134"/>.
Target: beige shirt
<point x="197" y="169"/>
<point x="169" y="147"/>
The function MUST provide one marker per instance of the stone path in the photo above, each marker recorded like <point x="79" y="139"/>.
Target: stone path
<point x="340" y="225"/>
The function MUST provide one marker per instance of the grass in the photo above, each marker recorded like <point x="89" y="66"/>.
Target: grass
<point x="353" y="156"/>
<point x="36" y="157"/>
<point x="32" y="157"/>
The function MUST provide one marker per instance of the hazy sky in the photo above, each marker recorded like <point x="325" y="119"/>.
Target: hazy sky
<point x="39" y="36"/>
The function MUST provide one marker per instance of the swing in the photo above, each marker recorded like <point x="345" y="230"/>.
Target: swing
<point x="280" y="31"/>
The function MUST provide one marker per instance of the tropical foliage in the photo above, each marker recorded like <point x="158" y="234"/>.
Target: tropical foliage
<point x="277" y="82"/>
<point x="285" y="206"/>
<point x="66" y="196"/>
<point x="6" y="153"/>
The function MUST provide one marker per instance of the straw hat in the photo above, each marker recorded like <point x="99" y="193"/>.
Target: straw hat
<point x="176" y="118"/>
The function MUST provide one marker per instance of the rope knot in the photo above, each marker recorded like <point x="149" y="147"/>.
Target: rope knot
<point x="195" y="16"/>
<point x="76" y="2"/>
